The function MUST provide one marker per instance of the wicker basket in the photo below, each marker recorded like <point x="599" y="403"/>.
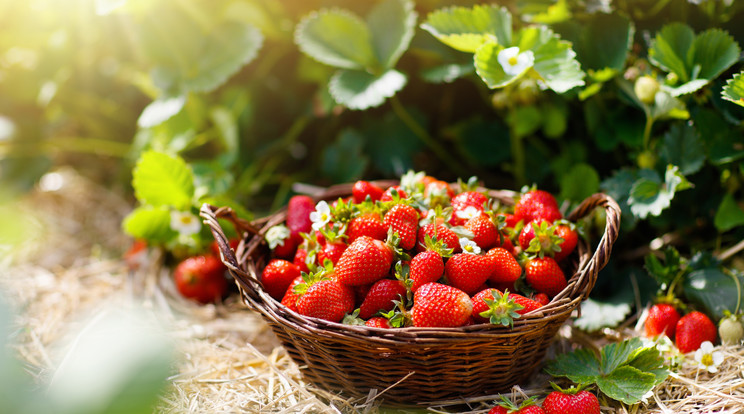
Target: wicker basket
<point x="412" y="365"/>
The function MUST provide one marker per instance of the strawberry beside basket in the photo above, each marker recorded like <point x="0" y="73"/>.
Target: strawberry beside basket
<point x="412" y="365"/>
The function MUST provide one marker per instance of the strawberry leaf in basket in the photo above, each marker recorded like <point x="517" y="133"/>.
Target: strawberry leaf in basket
<point x="623" y="371"/>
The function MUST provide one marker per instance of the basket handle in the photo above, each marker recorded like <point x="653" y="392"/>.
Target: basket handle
<point x="602" y="253"/>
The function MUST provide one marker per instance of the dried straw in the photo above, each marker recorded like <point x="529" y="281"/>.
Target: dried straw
<point x="230" y="361"/>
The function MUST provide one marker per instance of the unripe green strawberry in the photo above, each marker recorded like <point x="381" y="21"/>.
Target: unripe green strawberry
<point x="645" y="88"/>
<point x="692" y="330"/>
<point x="545" y="276"/>
<point x="438" y="305"/>
<point x="730" y="330"/>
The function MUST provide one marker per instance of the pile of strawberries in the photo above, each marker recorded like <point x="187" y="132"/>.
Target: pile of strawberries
<point x="423" y="253"/>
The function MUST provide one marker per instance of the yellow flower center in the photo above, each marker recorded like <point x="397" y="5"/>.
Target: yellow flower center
<point x="707" y="360"/>
<point x="324" y="217"/>
<point x="513" y="61"/>
<point x="185" y="220"/>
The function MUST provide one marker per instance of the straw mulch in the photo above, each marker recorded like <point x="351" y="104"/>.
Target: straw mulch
<point x="229" y="361"/>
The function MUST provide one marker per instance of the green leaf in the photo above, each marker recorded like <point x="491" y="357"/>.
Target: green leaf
<point x="466" y="29"/>
<point x="597" y="315"/>
<point x="149" y="223"/>
<point x="344" y="160"/>
<point x="734" y="89"/>
<point x="580" y="366"/>
<point x="392" y="24"/>
<point x="686" y="88"/>
<point x="729" y="214"/>
<point x="578" y="183"/>
<point x="228" y="133"/>
<point x="489" y="69"/>
<point x="712" y="290"/>
<point x="160" y="110"/>
<point x="627" y="384"/>
<point x="650" y="360"/>
<point x="650" y="196"/>
<point x="683" y="147"/>
<point x="447" y="73"/>
<point x="605" y="42"/>
<point x="337" y="38"/>
<point x="616" y="354"/>
<point x="715" y="51"/>
<point x="163" y="180"/>
<point x="552" y="12"/>
<point x="362" y="90"/>
<point x="390" y="143"/>
<point x="481" y="142"/>
<point x="524" y="120"/>
<point x="555" y="60"/>
<point x="669" y="49"/>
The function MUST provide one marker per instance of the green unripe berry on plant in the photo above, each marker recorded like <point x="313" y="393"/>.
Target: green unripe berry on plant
<point x="645" y="89"/>
<point x="646" y="159"/>
<point x="730" y="330"/>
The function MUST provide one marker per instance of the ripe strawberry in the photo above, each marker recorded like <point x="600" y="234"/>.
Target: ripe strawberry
<point x="438" y="189"/>
<point x="290" y="296"/>
<point x="562" y="402"/>
<point x="136" y="255"/>
<point x="369" y="224"/>
<point x="363" y="189"/>
<point x="545" y="276"/>
<point x="300" y="259"/>
<point x="440" y="232"/>
<point x="277" y="275"/>
<point x="485" y="234"/>
<point x="469" y="198"/>
<point x="662" y="319"/>
<point x="426" y="267"/>
<point x="388" y="194"/>
<point x="282" y="242"/>
<point x="438" y="305"/>
<point x="508" y="407"/>
<point x="331" y="251"/>
<point x="404" y="221"/>
<point x="467" y="272"/>
<point x="539" y="238"/>
<point x="378" y="322"/>
<point x="366" y="260"/>
<point x="327" y="299"/>
<point x="504" y="266"/>
<point x="570" y="239"/>
<point x="490" y="305"/>
<point x="201" y="278"/>
<point x="380" y="297"/>
<point x="537" y="205"/>
<point x="692" y="330"/>
<point x="542" y="299"/>
<point x="298" y="214"/>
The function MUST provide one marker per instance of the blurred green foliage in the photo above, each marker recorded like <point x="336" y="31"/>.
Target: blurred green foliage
<point x="254" y="96"/>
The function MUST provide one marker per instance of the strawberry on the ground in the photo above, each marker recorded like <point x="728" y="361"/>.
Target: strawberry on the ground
<point x="367" y="224"/>
<point x="365" y="260"/>
<point x="485" y="234"/>
<point x="571" y="401"/>
<point x="504" y="266"/>
<point x="692" y="330"/>
<point x="363" y="189"/>
<point x="326" y="299"/>
<point x="545" y="276"/>
<point x="298" y="214"/>
<point x="506" y="406"/>
<point x="380" y="297"/>
<point x="491" y="305"/>
<point x="438" y="305"/>
<point x="290" y="296"/>
<point x="537" y="205"/>
<point x="378" y="322"/>
<point x="662" y="319"/>
<point x="730" y="329"/>
<point x="277" y="275"/>
<point x="467" y="272"/>
<point x="135" y="256"/>
<point x="404" y="220"/>
<point x="440" y="232"/>
<point x="201" y="278"/>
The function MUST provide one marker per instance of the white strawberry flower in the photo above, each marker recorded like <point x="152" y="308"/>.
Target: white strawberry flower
<point x="513" y="62"/>
<point x="410" y="179"/>
<point x="707" y="358"/>
<point x="276" y="235"/>
<point x="469" y="246"/>
<point x="321" y="216"/>
<point x="184" y="223"/>
<point x="468" y="212"/>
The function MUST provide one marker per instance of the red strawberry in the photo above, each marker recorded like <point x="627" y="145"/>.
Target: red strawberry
<point x="491" y="305"/>
<point x="282" y="242"/>
<point x="662" y="319"/>
<point x="404" y="221"/>
<point x="388" y="194"/>
<point x="363" y="189"/>
<point x="331" y="251"/>
<point x="300" y="259"/>
<point x="467" y="272"/>
<point x="692" y="330"/>
<point x="440" y="232"/>
<point x="366" y="260"/>
<point x="469" y="198"/>
<point x="327" y="299"/>
<point x="545" y="276"/>
<point x="562" y="402"/>
<point x="380" y="297"/>
<point x="438" y="305"/>
<point x="570" y="239"/>
<point x="504" y="266"/>
<point x="539" y="238"/>
<point x="277" y="275"/>
<point x="527" y="407"/>
<point x="201" y="278"/>
<point x="485" y="234"/>
<point x="290" y="296"/>
<point x="298" y="214"/>
<point x="426" y="267"/>
<point x="537" y="205"/>
<point x="378" y="322"/>
<point x="136" y="255"/>
<point x="368" y="224"/>
<point x="542" y="299"/>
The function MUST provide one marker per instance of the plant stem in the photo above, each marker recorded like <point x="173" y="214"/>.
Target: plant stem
<point x="427" y="139"/>
<point x="647" y="131"/>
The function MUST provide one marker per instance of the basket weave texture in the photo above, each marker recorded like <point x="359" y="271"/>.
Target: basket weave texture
<point x="412" y="365"/>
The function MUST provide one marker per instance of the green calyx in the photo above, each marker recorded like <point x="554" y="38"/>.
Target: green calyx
<point x="573" y="390"/>
<point x="502" y="310"/>
<point x="315" y="276"/>
<point x="511" y="407"/>
<point x="545" y="242"/>
<point x="438" y="246"/>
